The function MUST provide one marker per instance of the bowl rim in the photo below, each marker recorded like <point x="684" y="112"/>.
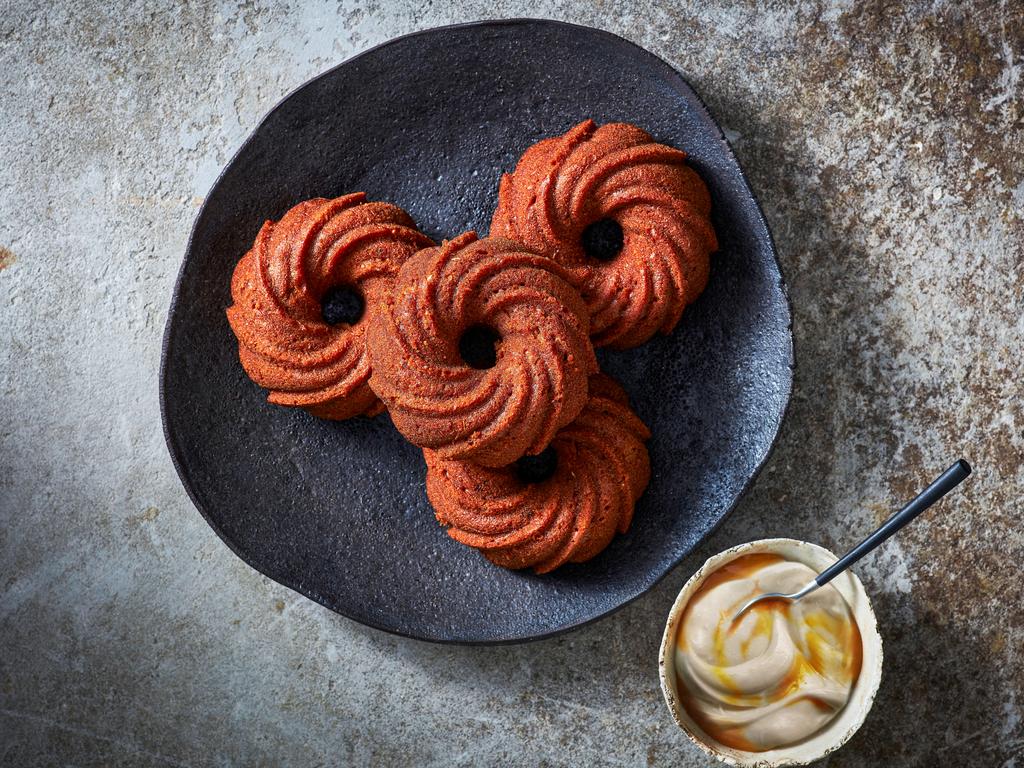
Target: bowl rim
<point x="861" y="698"/>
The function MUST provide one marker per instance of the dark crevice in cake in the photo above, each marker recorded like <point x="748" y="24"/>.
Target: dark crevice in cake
<point x="602" y="240"/>
<point x="537" y="469"/>
<point x="342" y="304"/>
<point x="478" y="347"/>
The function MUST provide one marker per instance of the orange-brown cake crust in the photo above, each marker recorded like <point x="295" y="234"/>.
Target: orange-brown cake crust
<point x="538" y="382"/>
<point x="602" y="469"/>
<point x="617" y="172"/>
<point x="284" y="343"/>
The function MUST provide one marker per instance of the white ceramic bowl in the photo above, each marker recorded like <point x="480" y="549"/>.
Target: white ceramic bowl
<point x="845" y="724"/>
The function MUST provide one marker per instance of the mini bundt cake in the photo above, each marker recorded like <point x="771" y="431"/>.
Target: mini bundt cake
<point x="303" y="297"/>
<point x="563" y="506"/>
<point x="482" y="350"/>
<point x="627" y="216"/>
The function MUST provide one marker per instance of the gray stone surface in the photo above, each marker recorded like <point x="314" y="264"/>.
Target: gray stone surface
<point x="886" y="143"/>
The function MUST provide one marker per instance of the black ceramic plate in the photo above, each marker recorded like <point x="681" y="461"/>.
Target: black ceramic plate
<point x="338" y="511"/>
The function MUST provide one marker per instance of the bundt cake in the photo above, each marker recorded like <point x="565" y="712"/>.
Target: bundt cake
<point x="481" y="351"/>
<point x="627" y="216"/>
<point x="304" y="294"/>
<point x="563" y="506"/>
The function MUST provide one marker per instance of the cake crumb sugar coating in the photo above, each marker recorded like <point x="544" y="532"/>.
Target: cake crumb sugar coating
<point x="601" y="471"/>
<point x="284" y="344"/>
<point x="544" y="356"/>
<point x="616" y="172"/>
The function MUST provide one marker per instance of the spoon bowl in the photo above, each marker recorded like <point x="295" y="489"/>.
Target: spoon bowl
<point x="774" y="596"/>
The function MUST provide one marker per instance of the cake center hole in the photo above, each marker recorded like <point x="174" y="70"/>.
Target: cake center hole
<point x="536" y="469"/>
<point x="479" y="346"/>
<point x="342" y="304"/>
<point x="602" y="240"/>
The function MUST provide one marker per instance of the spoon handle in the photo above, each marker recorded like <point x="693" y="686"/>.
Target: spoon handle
<point x="942" y="485"/>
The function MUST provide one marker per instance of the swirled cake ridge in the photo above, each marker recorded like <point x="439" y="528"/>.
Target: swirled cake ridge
<point x="512" y="399"/>
<point x="624" y="214"/>
<point x="599" y="469"/>
<point x="287" y="342"/>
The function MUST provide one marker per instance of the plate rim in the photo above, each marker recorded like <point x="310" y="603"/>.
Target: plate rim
<point x="681" y="84"/>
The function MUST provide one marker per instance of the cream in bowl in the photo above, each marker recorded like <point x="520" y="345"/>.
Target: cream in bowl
<point x="779" y="672"/>
<point x="785" y="683"/>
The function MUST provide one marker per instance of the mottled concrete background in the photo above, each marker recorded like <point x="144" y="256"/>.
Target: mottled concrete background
<point x="886" y="143"/>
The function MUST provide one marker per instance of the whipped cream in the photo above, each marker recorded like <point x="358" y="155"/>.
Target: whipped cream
<point x="780" y="673"/>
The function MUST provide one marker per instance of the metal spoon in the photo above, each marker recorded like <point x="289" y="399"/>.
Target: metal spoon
<point x="945" y="482"/>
